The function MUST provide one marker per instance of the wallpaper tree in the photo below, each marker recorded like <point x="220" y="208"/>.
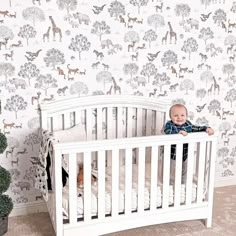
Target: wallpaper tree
<point x="79" y="44"/>
<point x="231" y="96"/>
<point x="31" y="140"/>
<point x="206" y="3"/>
<point x="156" y="21"/>
<point x="79" y="88"/>
<point x="54" y="57"/>
<point x="116" y="9"/>
<point x="207" y="77"/>
<point x="230" y="40"/>
<point x="33" y="14"/>
<point x="45" y="82"/>
<point x="29" y="71"/>
<point x="6" y="70"/>
<point x="131" y="37"/>
<point x="206" y="34"/>
<point x="100" y="28"/>
<point x="68" y="5"/>
<point x="139" y="3"/>
<point x="27" y="32"/>
<point x="131" y="69"/>
<point x="219" y="17"/>
<point x="169" y="58"/>
<point x="150" y="36"/>
<point x="160" y="80"/>
<point x="104" y="77"/>
<point x="15" y="103"/>
<point x="182" y="10"/>
<point x="186" y="85"/>
<point x="5" y="33"/>
<point x="201" y="93"/>
<point x="214" y="105"/>
<point x="228" y="69"/>
<point x="190" y="46"/>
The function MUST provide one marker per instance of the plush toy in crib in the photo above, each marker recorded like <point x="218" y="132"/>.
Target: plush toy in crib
<point x="80" y="178"/>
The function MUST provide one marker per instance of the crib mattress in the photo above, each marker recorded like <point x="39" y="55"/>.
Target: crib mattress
<point x="134" y="195"/>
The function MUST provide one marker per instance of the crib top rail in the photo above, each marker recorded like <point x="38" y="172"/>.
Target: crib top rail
<point x="103" y="100"/>
<point x="133" y="142"/>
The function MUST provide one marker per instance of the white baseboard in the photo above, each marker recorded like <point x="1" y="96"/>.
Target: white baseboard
<point x="222" y="182"/>
<point x="29" y="208"/>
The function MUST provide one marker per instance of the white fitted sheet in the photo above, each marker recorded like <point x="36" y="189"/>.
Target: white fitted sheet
<point x="134" y="195"/>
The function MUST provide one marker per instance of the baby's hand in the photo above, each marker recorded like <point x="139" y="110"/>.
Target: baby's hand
<point x="210" y="131"/>
<point x="184" y="133"/>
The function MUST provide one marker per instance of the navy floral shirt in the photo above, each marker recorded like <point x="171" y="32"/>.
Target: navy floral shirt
<point x="171" y="128"/>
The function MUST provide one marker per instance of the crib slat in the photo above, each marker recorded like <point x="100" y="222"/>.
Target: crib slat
<point x="72" y="119"/>
<point x="166" y="177"/>
<point x="87" y="186"/>
<point x="189" y="182"/>
<point x="57" y="122"/>
<point x="99" y="123"/>
<point x="129" y="121"/>
<point x="128" y="180"/>
<point x="115" y="182"/>
<point x="72" y="188"/>
<point x="66" y="120"/>
<point x="139" y="122"/>
<point x="89" y="123"/>
<point x="149" y="123"/>
<point x="109" y="122"/>
<point x="159" y="122"/>
<point x="207" y="166"/>
<point x="49" y="124"/>
<point x="178" y="174"/>
<point x="78" y="117"/>
<point x="154" y="176"/>
<point x="120" y="125"/>
<point x="201" y="171"/>
<point x="141" y="179"/>
<point x="101" y="184"/>
<point x="110" y="131"/>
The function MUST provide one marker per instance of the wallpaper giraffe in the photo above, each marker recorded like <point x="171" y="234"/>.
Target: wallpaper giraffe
<point x="183" y="50"/>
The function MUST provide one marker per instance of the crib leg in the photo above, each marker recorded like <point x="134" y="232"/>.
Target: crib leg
<point x="208" y="222"/>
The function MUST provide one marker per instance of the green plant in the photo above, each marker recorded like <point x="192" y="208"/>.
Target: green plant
<point x="3" y="143"/>
<point x="6" y="204"/>
<point x="5" y="178"/>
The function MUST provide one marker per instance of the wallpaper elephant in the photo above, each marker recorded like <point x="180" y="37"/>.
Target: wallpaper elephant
<point x="182" y="50"/>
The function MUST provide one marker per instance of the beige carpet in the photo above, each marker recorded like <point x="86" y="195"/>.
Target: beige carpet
<point x="224" y="222"/>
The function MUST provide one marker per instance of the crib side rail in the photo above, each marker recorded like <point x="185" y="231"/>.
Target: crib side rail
<point x="207" y="145"/>
<point x="132" y="142"/>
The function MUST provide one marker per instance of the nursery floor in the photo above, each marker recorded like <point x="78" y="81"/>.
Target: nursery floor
<point x="224" y="222"/>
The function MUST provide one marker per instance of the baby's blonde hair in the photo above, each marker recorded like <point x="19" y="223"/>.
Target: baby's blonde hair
<point x="178" y="105"/>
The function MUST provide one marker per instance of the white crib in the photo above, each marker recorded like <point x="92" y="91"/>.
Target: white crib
<point x="124" y="132"/>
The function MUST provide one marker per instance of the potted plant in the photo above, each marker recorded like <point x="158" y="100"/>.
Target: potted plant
<point x="6" y="203"/>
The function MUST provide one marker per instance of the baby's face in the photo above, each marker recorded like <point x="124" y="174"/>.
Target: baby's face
<point x="178" y="115"/>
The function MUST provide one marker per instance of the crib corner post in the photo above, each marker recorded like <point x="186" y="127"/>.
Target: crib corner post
<point x="58" y="192"/>
<point x="208" y="222"/>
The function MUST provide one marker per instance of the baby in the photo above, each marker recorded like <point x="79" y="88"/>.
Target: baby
<point x="180" y="125"/>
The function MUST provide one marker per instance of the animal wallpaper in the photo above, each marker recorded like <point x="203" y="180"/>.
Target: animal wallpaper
<point x="183" y="50"/>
